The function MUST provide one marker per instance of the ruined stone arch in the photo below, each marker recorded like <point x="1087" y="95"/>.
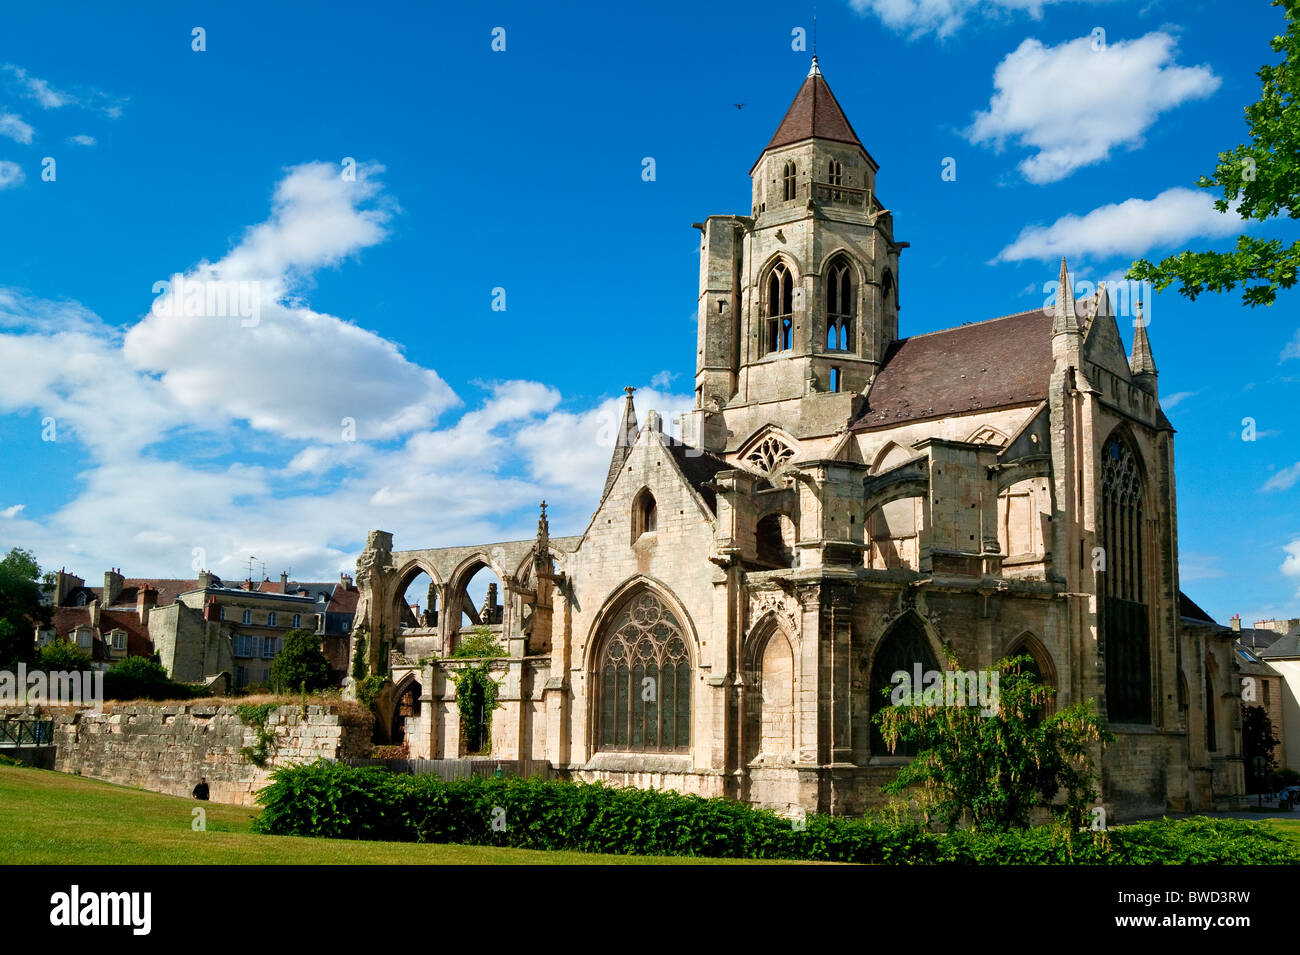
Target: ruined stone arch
<point x="458" y="582"/>
<point x="641" y="660"/>
<point x="403" y="578"/>
<point x="771" y="678"/>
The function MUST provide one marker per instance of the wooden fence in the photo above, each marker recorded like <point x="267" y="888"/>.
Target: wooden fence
<point x="449" y="769"/>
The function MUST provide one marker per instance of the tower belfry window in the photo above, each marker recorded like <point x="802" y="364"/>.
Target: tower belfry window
<point x="778" y="330"/>
<point x="787" y="180"/>
<point x="836" y="177"/>
<point x="840" y="303"/>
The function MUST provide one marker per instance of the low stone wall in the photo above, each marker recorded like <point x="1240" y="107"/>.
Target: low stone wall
<point x="167" y="747"/>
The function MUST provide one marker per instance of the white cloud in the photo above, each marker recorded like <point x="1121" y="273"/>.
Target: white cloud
<point x="1283" y="479"/>
<point x="38" y="89"/>
<point x="11" y="174"/>
<point x="11" y="512"/>
<point x="1292" y="349"/>
<point x="12" y="126"/>
<point x="945" y="17"/>
<point x="1129" y="228"/>
<point x="1074" y="103"/>
<point x="1291" y="564"/>
<point x="82" y="140"/>
<point x="1198" y="566"/>
<point x="263" y="356"/>
<point x="1177" y="398"/>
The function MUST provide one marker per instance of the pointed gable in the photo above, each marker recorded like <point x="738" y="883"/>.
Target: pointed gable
<point x="1103" y="346"/>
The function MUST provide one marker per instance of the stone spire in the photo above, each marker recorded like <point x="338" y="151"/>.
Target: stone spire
<point x="1064" y="320"/>
<point x="1142" y="362"/>
<point x="627" y="432"/>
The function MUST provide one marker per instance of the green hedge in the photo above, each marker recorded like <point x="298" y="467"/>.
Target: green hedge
<point x="336" y="801"/>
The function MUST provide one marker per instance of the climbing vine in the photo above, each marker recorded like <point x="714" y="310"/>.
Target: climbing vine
<point x="476" y="691"/>
<point x="256" y="716"/>
<point x="359" y="667"/>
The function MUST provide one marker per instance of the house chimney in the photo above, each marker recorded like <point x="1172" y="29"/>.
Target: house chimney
<point x="346" y="580"/>
<point x="284" y="582"/>
<point x="1235" y="622"/>
<point x="206" y="579"/>
<point x="146" y="598"/>
<point x="113" y="584"/>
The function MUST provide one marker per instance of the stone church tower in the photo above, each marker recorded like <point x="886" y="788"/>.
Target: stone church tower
<point x="845" y="503"/>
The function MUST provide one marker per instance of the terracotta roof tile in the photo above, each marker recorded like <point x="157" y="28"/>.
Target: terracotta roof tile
<point x="993" y="364"/>
<point x="814" y="113"/>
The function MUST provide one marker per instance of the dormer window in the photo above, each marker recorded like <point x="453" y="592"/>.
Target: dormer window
<point x="787" y="180"/>
<point x="778" y="332"/>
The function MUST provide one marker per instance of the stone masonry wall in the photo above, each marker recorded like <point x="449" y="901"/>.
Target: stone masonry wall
<point x="167" y="747"/>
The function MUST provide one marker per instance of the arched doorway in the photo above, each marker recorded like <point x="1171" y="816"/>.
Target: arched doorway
<point x="905" y="646"/>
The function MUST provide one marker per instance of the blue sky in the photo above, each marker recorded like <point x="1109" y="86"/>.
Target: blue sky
<point x="181" y="440"/>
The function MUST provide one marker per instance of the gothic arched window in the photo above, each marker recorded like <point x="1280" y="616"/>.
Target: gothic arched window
<point x="644" y="514"/>
<point x="840" y="303"/>
<point x="1211" y="737"/>
<point x="1125" y="619"/>
<point x="902" y="648"/>
<point x="778" y="333"/>
<point x="787" y="180"/>
<point x="644" y="680"/>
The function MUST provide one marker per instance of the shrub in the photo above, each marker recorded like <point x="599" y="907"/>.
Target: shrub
<point x="334" y="800"/>
<point x="300" y="663"/>
<point x="62" y="655"/>
<point x="991" y="770"/>
<point x="139" y="678"/>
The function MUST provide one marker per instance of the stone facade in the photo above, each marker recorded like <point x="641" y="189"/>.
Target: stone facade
<point x="167" y="747"/>
<point x="843" y="503"/>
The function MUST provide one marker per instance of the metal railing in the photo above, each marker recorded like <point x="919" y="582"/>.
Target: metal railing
<point x="25" y="731"/>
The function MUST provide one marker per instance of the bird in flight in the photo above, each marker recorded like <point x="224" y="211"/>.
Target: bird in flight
<point x="738" y="105"/>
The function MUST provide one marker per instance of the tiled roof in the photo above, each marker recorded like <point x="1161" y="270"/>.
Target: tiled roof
<point x="344" y="599"/>
<point x="993" y="364"/>
<point x="814" y="113"/>
<point x="138" y="643"/>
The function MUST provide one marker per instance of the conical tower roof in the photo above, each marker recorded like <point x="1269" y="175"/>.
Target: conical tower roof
<point x="815" y="114"/>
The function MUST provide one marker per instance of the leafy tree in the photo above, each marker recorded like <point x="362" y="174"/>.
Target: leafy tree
<point x="1257" y="739"/>
<point x="20" y="606"/>
<point x="989" y="772"/>
<point x="63" y="655"/>
<point x="300" y="663"/>
<point x="1260" y="180"/>
<point x="140" y="678"/>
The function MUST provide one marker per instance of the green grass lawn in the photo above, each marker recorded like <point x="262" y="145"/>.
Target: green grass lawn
<point x="52" y="818"/>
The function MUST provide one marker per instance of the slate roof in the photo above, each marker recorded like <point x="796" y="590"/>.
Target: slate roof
<point x="1188" y="608"/>
<point x="699" y="467"/>
<point x="993" y="364"/>
<point x="1287" y="647"/>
